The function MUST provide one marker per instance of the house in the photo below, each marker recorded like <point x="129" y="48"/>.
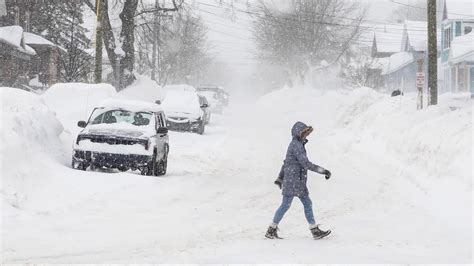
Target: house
<point x="386" y="40"/>
<point x="15" y="56"/>
<point x="44" y="67"/>
<point x="456" y="49"/>
<point x="396" y="54"/>
<point x="41" y="61"/>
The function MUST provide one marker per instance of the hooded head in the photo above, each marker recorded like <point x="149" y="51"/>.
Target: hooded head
<point x="298" y="129"/>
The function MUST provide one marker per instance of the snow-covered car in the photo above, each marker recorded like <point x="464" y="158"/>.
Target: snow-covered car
<point x="216" y="96"/>
<point x="123" y="135"/>
<point x="206" y="107"/>
<point x="183" y="110"/>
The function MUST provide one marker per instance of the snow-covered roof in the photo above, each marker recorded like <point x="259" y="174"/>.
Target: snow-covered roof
<point x="31" y="38"/>
<point x="34" y="39"/>
<point x="134" y="106"/>
<point x="462" y="48"/>
<point x="460" y="9"/>
<point x="388" y="36"/>
<point x="13" y="35"/>
<point x="398" y="61"/>
<point x="388" y="42"/>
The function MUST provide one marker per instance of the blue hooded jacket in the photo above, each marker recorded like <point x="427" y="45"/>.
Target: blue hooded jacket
<point x="296" y="165"/>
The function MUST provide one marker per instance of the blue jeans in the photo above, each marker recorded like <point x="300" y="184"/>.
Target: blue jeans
<point x="285" y="205"/>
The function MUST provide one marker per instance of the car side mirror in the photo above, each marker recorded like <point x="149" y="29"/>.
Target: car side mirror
<point x="205" y="105"/>
<point x="162" y="130"/>
<point x="82" y="124"/>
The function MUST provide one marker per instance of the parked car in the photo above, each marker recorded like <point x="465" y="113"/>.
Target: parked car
<point x="216" y="96"/>
<point x="184" y="111"/>
<point x="206" y="107"/>
<point x="123" y="135"/>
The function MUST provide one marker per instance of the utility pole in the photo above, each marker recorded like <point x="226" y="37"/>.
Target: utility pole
<point x="155" y="40"/>
<point x="98" y="42"/>
<point x="432" y="55"/>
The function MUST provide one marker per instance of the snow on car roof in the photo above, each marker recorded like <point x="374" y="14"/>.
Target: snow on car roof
<point x="131" y="105"/>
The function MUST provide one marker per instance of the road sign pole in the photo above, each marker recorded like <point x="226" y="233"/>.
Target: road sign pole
<point x="420" y="82"/>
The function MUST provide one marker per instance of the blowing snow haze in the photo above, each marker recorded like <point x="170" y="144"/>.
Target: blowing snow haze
<point x="190" y="131"/>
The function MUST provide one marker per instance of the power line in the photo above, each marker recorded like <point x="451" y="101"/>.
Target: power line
<point x="424" y="8"/>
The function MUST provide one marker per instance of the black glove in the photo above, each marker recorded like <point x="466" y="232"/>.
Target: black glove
<point x="327" y="174"/>
<point x="278" y="182"/>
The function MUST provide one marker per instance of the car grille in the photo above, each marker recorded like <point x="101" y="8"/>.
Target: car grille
<point x="113" y="140"/>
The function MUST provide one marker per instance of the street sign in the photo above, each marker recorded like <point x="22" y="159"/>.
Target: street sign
<point x="420" y="79"/>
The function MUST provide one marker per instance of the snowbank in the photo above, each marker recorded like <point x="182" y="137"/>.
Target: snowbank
<point x="143" y="89"/>
<point x="74" y="101"/>
<point x="436" y="139"/>
<point x="30" y="137"/>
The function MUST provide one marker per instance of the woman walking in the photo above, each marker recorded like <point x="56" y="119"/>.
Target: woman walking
<point x="292" y="180"/>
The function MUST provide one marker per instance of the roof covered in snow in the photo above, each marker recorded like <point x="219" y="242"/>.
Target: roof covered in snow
<point x="398" y="61"/>
<point x="34" y="39"/>
<point x="134" y="106"/>
<point x="462" y="48"/>
<point x="13" y="36"/>
<point x="459" y="9"/>
<point x="388" y="36"/>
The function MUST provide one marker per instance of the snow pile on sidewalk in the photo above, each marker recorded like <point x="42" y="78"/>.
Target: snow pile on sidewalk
<point x="143" y="89"/>
<point x="30" y="137"/>
<point x="74" y="101"/>
<point x="436" y="139"/>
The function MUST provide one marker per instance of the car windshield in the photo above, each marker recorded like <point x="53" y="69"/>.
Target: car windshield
<point x="122" y="116"/>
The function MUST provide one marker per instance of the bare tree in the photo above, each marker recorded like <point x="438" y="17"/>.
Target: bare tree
<point x="309" y="32"/>
<point x="124" y="68"/>
<point x="182" y="47"/>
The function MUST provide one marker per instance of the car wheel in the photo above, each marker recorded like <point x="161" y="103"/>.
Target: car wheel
<point x="200" y="130"/>
<point x="123" y="169"/>
<point x="94" y="167"/>
<point x="152" y="166"/>
<point x="78" y="165"/>
<point x="163" y="164"/>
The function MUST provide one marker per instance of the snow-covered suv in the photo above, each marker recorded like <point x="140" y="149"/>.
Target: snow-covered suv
<point x="124" y="135"/>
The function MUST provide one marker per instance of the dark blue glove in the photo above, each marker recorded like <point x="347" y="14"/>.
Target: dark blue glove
<point x="327" y="174"/>
<point x="278" y="182"/>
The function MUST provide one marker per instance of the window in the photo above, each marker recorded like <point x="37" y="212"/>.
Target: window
<point x="458" y="28"/>
<point x="447" y="38"/>
<point x="121" y="116"/>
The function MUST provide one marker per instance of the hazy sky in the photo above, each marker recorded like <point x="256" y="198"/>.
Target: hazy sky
<point x="230" y="32"/>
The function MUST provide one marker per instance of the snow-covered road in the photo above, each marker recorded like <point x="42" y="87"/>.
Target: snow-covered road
<point x="217" y="199"/>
